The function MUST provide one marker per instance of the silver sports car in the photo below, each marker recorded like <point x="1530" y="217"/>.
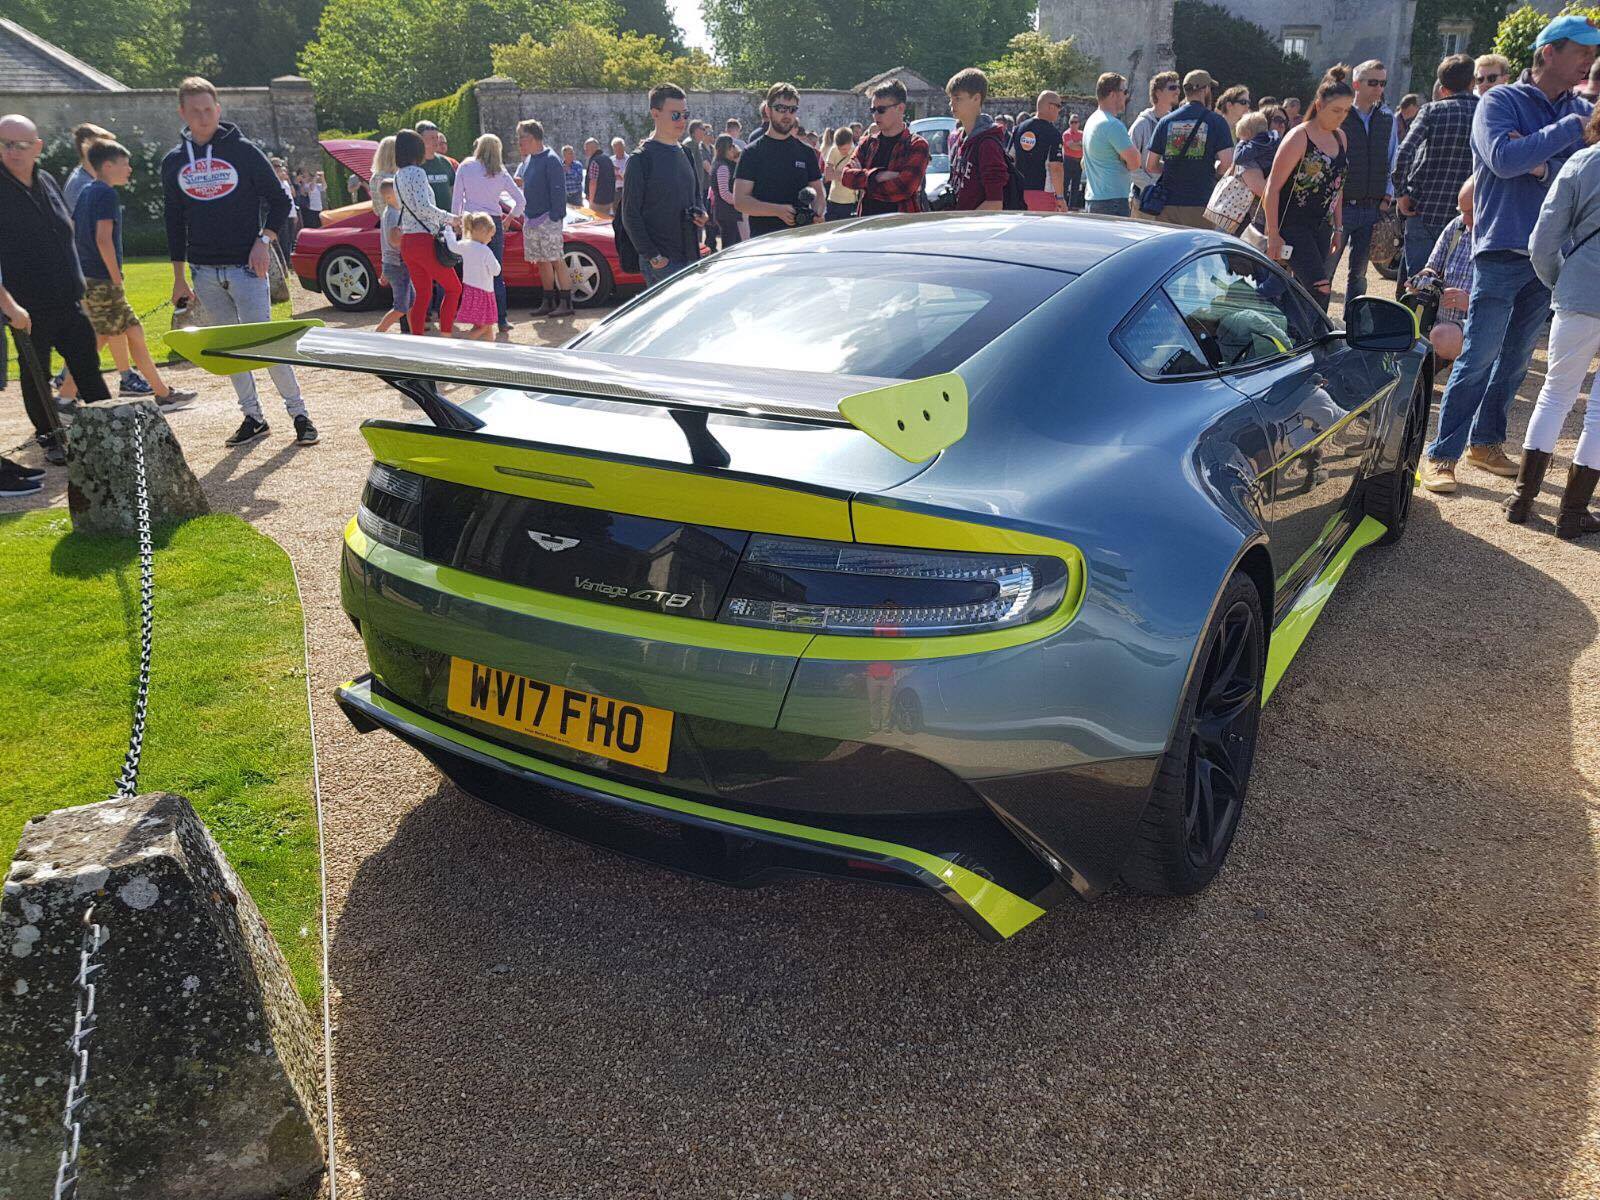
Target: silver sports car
<point x="959" y="550"/>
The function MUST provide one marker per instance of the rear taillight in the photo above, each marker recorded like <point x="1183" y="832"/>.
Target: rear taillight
<point x="391" y="509"/>
<point x="836" y="587"/>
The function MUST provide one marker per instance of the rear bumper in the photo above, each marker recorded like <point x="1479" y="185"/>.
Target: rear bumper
<point x="997" y="885"/>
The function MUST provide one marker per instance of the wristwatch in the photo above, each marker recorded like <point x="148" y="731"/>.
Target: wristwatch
<point x="263" y="239"/>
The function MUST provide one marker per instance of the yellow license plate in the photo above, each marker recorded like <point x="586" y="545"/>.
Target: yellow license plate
<point x="635" y="734"/>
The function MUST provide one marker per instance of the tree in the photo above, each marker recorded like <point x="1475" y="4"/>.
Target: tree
<point x="1033" y="63"/>
<point x="585" y="55"/>
<point x="650" y="17"/>
<point x="1514" y="38"/>
<point x="130" y="40"/>
<point x="364" y="67"/>
<point x="246" y="42"/>
<point x="838" y="43"/>
<point x="1235" y="51"/>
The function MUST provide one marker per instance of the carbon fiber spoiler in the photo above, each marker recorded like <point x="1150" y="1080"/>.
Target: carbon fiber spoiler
<point x="913" y="418"/>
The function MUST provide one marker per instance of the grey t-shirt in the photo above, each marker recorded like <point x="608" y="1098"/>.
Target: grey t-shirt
<point x="389" y="220"/>
<point x="656" y="204"/>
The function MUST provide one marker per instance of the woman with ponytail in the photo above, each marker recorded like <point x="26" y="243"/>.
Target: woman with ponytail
<point x="1302" y="205"/>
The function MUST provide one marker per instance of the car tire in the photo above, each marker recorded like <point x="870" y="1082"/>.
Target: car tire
<point x="1199" y="793"/>
<point x="345" y="276"/>
<point x="592" y="281"/>
<point x="1387" y="498"/>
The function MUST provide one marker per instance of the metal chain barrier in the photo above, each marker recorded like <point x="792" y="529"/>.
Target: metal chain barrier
<point x="83" y="1024"/>
<point x="128" y="784"/>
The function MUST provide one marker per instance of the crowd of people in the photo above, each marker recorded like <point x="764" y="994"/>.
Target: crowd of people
<point x="1489" y="178"/>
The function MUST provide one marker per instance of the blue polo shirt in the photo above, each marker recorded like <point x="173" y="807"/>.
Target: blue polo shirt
<point x="97" y="202"/>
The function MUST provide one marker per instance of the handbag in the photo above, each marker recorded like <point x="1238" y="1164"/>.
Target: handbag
<point x="442" y="253"/>
<point x="1154" y="198"/>
<point x="1232" y="203"/>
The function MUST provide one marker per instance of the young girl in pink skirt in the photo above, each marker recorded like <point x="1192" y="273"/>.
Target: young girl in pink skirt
<point x="479" y="266"/>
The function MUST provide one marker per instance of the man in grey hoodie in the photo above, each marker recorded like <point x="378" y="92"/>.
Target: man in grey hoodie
<point x="1565" y="249"/>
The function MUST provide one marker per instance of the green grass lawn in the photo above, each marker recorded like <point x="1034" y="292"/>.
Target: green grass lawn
<point x="227" y="727"/>
<point x="148" y="284"/>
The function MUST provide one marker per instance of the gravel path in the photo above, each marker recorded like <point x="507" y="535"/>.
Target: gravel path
<point x="1392" y="990"/>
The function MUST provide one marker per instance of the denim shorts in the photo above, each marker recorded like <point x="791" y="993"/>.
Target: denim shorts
<point x="399" y="277"/>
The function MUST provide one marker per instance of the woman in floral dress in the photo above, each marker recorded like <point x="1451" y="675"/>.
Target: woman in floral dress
<point x="1304" y="192"/>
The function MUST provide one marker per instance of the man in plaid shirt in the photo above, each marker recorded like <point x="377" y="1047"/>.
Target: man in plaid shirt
<point x="1435" y="160"/>
<point x="890" y="162"/>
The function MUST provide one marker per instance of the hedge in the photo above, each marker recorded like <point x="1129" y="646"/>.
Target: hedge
<point x="456" y="115"/>
<point x="144" y="229"/>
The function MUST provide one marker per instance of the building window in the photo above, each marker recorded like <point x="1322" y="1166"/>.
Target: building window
<point x="1454" y="37"/>
<point x="1297" y="39"/>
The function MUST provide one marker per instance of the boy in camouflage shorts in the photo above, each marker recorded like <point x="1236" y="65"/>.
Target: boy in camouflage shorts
<point x="97" y="229"/>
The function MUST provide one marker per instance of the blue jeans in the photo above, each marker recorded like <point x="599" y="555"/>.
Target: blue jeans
<point x="1358" y="223"/>
<point x="233" y="296"/>
<point x="1505" y="313"/>
<point x="498" y="245"/>
<point x="1115" y="208"/>
<point x="1419" y="243"/>
<point x="653" y="276"/>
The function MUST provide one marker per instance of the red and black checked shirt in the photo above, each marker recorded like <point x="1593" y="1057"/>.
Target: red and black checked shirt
<point x="909" y="157"/>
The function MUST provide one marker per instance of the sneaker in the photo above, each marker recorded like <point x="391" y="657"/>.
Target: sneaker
<point x="54" y="452"/>
<point x="134" y="384"/>
<point x="8" y="467"/>
<point x="304" y="431"/>
<point x="175" y="398"/>
<point x="1494" y="460"/>
<point x="14" y="483"/>
<point x="249" y="430"/>
<point x="1439" y="474"/>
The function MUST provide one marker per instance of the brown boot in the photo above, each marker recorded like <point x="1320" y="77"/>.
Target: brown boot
<point x="563" y="307"/>
<point x="1529" y="480"/>
<point x="1575" y="519"/>
<point x="1493" y="459"/>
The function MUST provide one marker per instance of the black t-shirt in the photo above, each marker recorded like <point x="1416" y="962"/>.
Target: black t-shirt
<point x="880" y="162"/>
<point x="603" y="173"/>
<point x="1036" y="144"/>
<point x="778" y="167"/>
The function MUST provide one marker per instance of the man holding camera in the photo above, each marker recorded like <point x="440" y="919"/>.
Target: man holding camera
<point x="662" y="209"/>
<point x="777" y="167"/>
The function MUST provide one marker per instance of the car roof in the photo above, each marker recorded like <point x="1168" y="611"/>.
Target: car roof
<point x="1071" y="242"/>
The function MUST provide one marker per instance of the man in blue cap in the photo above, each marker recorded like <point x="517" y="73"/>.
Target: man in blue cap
<point x="1521" y="135"/>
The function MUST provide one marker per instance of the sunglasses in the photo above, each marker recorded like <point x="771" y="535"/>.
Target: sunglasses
<point x="678" y="116"/>
<point x="879" y="109"/>
<point x="1171" y="87"/>
<point x="1375" y="82"/>
<point x="1488" y="78"/>
<point x="787" y="109"/>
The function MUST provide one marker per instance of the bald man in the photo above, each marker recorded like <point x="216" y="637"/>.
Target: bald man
<point x="1036" y="144"/>
<point x="42" y="280"/>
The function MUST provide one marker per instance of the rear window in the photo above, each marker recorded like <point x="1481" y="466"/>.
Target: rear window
<point x="896" y="316"/>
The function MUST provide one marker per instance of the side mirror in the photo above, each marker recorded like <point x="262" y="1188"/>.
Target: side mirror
<point x="1371" y="323"/>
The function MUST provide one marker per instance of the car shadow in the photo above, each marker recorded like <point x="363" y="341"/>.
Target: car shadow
<point x="1391" y="984"/>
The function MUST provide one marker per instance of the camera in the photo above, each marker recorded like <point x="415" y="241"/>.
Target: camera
<point x="1423" y="295"/>
<point x="805" y="211"/>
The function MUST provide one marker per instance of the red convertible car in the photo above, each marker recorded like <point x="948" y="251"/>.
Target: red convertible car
<point x="341" y="258"/>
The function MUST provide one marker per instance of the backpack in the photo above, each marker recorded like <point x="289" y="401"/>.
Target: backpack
<point x="1013" y="197"/>
<point x="627" y="252"/>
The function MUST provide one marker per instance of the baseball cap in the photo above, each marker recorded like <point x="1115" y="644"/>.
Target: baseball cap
<point x="1570" y="27"/>
<point x="1195" y="80"/>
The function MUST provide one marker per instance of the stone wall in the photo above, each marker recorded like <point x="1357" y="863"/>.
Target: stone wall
<point x="281" y="116"/>
<point x="1133" y="37"/>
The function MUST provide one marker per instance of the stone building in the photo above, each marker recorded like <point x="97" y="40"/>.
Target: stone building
<point x="28" y="63"/>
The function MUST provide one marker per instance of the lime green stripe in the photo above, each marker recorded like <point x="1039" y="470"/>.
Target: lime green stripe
<point x="1323" y="436"/>
<point x="1296" y="624"/>
<point x="1004" y="911"/>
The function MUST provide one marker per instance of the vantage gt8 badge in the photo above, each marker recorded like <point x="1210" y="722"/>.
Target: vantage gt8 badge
<point x="619" y="592"/>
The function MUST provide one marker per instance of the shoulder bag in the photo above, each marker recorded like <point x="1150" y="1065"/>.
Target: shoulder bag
<point x="1232" y="204"/>
<point x="1154" y="198"/>
<point x="442" y="253"/>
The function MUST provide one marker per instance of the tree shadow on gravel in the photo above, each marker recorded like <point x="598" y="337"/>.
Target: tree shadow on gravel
<point x="1389" y="991"/>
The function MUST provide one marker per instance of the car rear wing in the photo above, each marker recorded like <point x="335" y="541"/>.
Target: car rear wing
<point x="913" y="418"/>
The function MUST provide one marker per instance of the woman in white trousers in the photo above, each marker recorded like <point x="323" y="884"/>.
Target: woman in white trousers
<point x="1565" y="250"/>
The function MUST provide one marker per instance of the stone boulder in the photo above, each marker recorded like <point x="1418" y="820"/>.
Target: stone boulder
<point x="205" y="1078"/>
<point x="100" y="474"/>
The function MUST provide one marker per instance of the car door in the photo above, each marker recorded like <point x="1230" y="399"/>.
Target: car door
<point x="1311" y="391"/>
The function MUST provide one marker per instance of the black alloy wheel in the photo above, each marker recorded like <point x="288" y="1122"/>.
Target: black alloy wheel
<point x="1222" y="738"/>
<point x="1199" y="792"/>
<point x="1387" y="497"/>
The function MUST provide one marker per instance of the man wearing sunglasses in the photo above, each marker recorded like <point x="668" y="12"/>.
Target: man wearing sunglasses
<point x="890" y="162"/>
<point x="1490" y="71"/>
<point x="776" y="167"/>
<point x="1372" y="137"/>
<point x="662" y="209"/>
<point x="1164" y="90"/>
<point x="43" y="282"/>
